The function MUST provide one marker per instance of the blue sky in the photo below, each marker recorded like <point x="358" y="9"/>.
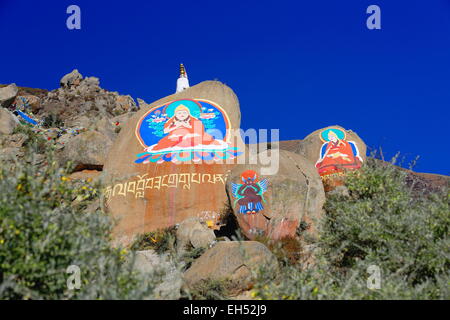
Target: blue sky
<point x="295" y="65"/>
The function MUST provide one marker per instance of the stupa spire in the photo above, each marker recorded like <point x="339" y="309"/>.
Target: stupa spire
<point x="183" y="81"/>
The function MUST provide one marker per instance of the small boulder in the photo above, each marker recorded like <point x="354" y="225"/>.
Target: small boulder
<point x="92" y="82"/>
<point x="231" y="260"/>
<point x="7" y="95"/>
<point x="8" y="122"/>
<point x="192" y="232"/>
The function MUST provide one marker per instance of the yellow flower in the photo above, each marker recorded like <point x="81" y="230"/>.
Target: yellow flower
<point x="316" y="290"/>
<point x="253" y="294"/>
<point x="2" y="241"/>
<point x="19" y="187"/>
<point x="84" y="188"/>
<point x="17" y="231"/>
<point x="63" y="178"/>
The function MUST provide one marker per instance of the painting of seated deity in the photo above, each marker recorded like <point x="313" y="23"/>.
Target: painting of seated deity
<point x="185" y="130"/>
<point x="337" y="154"/>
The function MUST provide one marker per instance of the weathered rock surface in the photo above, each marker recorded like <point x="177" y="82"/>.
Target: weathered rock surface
<point x="148" y="262"/>
<point x="7" y="122"/>
<point x="150" y="196"/>
<point x="87" y="150"/>
<point x="294" y="194"/>
<point x="231" y="260"/>
<point x="71" y="79"/>
<point x="193" y="232"/>
<point x="7" y="95"/>
<point x="11" y="147"/>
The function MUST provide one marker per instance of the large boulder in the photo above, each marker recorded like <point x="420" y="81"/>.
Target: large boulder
<point x="71" y="79"/>
<point x="7" y="95"/>
<point x="87" y="150"/>
<point x="274" y="205"/>
<point x="233" y="261"/>
<point x="334" y="150"/>
<point x="156" y="180"/>
<point x="7" y="122"/>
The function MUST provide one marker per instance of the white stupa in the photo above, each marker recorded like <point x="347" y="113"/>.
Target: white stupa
<point x="183" y="81"/>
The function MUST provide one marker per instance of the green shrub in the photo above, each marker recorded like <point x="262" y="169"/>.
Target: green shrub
<point x="209" y="289"/>
<point x="381" y="223"/>
<point x="161" y="241"/>
<point x="42" y="233"/>
<point x="35" y="142"/>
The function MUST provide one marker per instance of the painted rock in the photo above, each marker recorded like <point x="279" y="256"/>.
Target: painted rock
<point x="272" y="203"/>
<point x="170" y="161"/>
<point x="333" y="150"/>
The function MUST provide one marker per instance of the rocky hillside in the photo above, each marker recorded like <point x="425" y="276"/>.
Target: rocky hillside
<point x="80" y="119"/>
<point x="190" y="201"/>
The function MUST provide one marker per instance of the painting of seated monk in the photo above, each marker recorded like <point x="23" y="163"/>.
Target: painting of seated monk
<point x="185" y="130"/>
<point x="337" y="154"/>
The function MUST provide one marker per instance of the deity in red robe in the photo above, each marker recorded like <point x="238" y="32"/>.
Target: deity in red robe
<point x="336" y="155"/>
<point x="185" y="132"/>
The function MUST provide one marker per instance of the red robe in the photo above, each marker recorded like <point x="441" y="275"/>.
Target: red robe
<point x="338" y="156"/>
<point x="185" y="137"/>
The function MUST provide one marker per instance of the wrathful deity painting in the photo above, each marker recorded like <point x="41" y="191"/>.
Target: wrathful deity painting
<point x="185" y="130"/>
<point x="249" y="194"/>
<point x="337" y="154"/>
